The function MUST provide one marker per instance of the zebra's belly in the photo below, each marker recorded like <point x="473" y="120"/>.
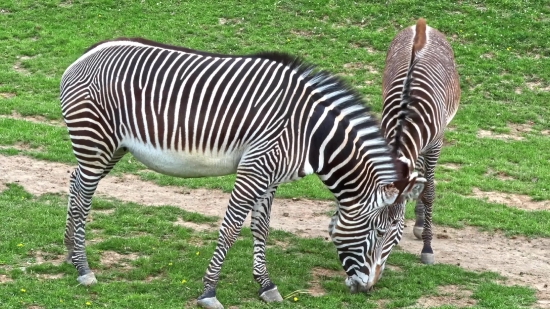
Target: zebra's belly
<point x="181" y="164"/>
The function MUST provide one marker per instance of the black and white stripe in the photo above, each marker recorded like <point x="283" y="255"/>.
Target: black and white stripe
<point x="267" y="117"/>
<point x="421" y="95"/>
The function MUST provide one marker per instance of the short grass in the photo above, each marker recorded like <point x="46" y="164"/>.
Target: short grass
<point x="170" y="262"/>
<point x="502" y="55"/>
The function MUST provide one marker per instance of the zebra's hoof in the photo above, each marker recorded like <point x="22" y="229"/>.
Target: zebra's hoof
<point x="271" y="296"/>
<point x="427" y="258"/>
<point x="87" y="279"/>
<point x="417" y="231"/>
<point x="209" y="303"/>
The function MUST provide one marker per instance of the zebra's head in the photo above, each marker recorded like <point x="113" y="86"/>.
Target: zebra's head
<point x="364" y="239"/>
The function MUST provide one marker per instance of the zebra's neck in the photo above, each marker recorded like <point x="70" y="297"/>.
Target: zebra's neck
<point x="350" y="156"/>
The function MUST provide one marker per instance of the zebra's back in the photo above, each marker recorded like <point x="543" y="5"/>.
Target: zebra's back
<point x="180" y="112"/>
<point x="435" y="63"/>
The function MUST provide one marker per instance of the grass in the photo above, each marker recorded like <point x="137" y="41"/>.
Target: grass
<point x="502" y="56"/>
<point x="169" y="262"/>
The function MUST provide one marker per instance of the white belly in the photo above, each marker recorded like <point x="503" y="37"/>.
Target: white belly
<point x="181" y="164"/>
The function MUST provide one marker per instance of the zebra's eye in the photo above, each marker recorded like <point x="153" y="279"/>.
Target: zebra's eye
<point x="380" y="233"/>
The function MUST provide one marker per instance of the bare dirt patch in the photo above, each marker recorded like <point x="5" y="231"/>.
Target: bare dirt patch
<point x="17" y="65"/>
<point x="318" y="275"/>
<point x="511" y="200"/>
<point x="34" y="119"/>
<point x="393" y="268"/>
<point x="42" y="257"/>
<point x="447" y="295"/>
<point x="49" y="276"/>
<point x="524" y="261"/>
<point x="21" y="147"/>
<point x="279" y="244"/>
<point x="537" y="86"/>
<point x="39" y="177"/>
<point x="5" y="279"/>
<point x="66" y="4"/>
<point x="450" y="166"/>
<point x="195" y="226"/>
<point x="360" y="66"/>
<point x="516" y="132"/>
<point x="7" y="95"/>
<point x="111" y="258"/>
<point x="104" y="211"/>
<point x="498" y="175"/>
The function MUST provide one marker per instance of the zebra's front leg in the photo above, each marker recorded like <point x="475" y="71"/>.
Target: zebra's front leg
<point x="82" y="188"/>
<point x="247" y="191"/>
<point x="260" y="229"/>
<point x="427" y="199"/>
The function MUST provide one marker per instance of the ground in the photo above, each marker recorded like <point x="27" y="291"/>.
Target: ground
<point x="523" y="261"/>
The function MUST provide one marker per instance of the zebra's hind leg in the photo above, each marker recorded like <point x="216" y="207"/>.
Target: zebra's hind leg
<point x="83" y="183"/>
<point x="427" y="198"/>
<point x="419" y="207"/>
<point x="260" y="229"/>
<point x="250" y="185"/>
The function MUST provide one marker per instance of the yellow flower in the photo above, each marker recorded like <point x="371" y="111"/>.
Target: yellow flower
<point x="23" y="290"/>
<point x="99" y="15"/>
<point x="20" y="245"/>
<point x="295" y="298"/>
<point x="88" y="303"/>
<point x="183" y="281"/>
<point x="197" y="253"/>
<point x="60" y="300"/>
<point x="170" y="264"/>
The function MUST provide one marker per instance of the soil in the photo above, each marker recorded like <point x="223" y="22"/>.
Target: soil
<point x="448" y="295"/>
<point x="111" y="258"/>
<point x="519" y="201"/>
<point x="523" y="261"/>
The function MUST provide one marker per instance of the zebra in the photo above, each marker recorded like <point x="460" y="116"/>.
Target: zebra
<point x="421" y="94"/>
<point x="268" y="117"/>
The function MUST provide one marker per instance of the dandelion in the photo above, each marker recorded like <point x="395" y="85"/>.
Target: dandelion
<point x="183" y="281"/>
<point x="295" y="298"/>
<point x="23" y="290"/>
<point x="88" y="303"/>
<point x="20" y="245"/>
<point x="197" y="253"/>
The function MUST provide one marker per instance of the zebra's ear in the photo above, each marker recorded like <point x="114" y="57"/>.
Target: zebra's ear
<point x="409" y="188"/>
<point x="414" y="188"/>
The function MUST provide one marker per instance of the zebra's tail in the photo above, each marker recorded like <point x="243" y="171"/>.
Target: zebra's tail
<point x="418" y="43"/>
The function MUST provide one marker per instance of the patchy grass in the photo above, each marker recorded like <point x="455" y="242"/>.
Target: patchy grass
<point x="143" y="261"/>
<point x="500" y="50"/>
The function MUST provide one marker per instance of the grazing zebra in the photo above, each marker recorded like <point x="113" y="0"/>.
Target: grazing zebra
<point x="421" y="94"/>
<point x="268" y="117"/>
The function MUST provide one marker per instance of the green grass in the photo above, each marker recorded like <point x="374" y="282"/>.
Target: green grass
<point x="502" y="53"/>
<point x="167" y="254"/>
